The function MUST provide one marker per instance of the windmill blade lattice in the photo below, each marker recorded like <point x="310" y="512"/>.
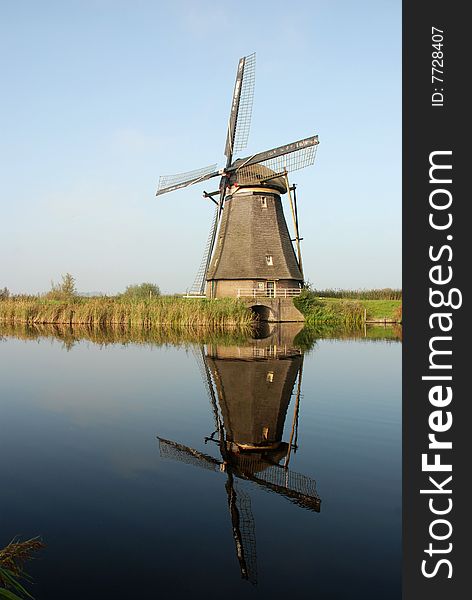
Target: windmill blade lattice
<point x="169" y="183"/>
<point x="243" y="119"/>
<point x="199" y="353"/>
<point x="244" y="530"/>
<point x="298" y="488"/>
<point x="293" y="161"/>
<point x="198" y="286"/>
<point x="290" y="157"/>
<point x="241" y="106"/>
<point x="173" y="450"/>
<point x="278" y="165"/>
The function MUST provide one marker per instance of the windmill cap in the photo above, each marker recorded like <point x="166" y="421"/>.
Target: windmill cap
<point x="258" y="174"/>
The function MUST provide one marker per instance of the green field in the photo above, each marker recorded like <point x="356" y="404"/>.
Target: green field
<point x="376" y="309"/>
<point x="347" y="311"/>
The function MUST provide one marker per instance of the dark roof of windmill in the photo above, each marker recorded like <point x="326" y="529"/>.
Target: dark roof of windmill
<point x="250" y="233"/>
<point x="255" y="174"/>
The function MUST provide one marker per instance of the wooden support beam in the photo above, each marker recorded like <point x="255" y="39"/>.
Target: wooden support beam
<point x="295" y="223"/>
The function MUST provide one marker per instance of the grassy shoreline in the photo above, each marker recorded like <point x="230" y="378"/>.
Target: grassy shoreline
<point x="178" y="312"/>
<point x="347" y="312"/>
<point x="165" y="311"/>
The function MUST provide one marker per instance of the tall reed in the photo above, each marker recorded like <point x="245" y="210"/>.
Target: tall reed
<point x="105" y="311"/>
<point x="374" y="294"/>
<point x="317" y="311"/>
<point x="12" y="558"/>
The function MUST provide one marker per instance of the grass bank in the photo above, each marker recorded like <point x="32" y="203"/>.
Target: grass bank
<point x="347" y="312"/>
<point x="167" y="311"/>
<point x="372" y="294"/>
<point x="176" y="312"/>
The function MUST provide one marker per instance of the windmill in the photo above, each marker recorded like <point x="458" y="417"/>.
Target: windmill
<point x="249" y="251"/>
<point x="249" y="440"/>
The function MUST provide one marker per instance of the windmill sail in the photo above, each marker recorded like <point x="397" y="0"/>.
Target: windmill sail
<point x="239" y="504"/>
<point x="241" y="106"/>
<point x="298" y="488"/>
<point x="199" y="353"/>
<point x="290" y="157"/>
<point x="169" y="183"/>
<point x="244" y="530"/>
<point x="198" y="286"/>
<point x="176" y="451"/>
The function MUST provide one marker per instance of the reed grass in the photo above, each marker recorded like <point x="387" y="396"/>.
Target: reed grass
<point x="315" y="310"/>
<point x="373" y="294"/>
<point x="346" y="312"/>
<point x="12" y="558"/>
<point x="110" y="311"/>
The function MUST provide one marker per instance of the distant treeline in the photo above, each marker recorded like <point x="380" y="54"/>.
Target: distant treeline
<point x="380" y="294"/>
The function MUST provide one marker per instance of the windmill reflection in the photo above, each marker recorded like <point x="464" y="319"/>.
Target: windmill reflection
<point x="250" y="389"/>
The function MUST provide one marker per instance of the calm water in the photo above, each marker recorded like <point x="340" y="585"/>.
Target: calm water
<point x="126" y="515"/>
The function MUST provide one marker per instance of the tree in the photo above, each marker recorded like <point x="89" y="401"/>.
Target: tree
<point x="65" y="290"/>
<point x="68" y="285"/>
<point x="142" y="291"/>
<point x="4" y="294"/>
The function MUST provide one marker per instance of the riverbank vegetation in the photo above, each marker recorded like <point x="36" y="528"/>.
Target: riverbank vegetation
<point x="173" y="311"/>
<point x="12" y="559"/>
<point x="139" y="306"/>
<point x="143" y="306"/>
<point x="176" y="311"/>
<point x="347" y="311"/>
<point x="374" y="294"/>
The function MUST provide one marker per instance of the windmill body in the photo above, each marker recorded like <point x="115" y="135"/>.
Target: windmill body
<point x="250" y="250"/>
<point x="253" y="249"/>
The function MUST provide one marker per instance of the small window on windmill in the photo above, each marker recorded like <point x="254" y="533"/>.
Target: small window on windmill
<point x="264" y="202"/>
<point x="270" y="377"/>
<point x="269" y="260"/>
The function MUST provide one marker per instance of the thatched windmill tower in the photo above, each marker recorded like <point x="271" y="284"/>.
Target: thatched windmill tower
<point x="249" y="250"/>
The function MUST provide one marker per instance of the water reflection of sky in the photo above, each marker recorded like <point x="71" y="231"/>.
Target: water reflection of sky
<point x="80" y="465"/>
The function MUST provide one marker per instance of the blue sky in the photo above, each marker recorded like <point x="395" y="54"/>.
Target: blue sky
<point x="100" y="97"/>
